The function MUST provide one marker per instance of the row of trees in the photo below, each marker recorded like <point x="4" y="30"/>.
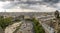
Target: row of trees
<point x="37" y="27"/>
<point x="4" y="22"/>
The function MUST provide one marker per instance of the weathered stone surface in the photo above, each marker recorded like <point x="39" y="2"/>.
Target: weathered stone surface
<point x="1" y="30"/>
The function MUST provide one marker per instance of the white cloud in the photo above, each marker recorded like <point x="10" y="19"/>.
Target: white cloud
<point x="3" y="3"/>
<point x="19" y="10"/>
<point x="42" y="8"/>
<point x="34" y="8"/>
<point x="45" y="8"/>
<point x="57" y="5"/>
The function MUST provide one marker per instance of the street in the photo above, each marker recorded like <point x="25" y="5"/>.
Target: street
<point x="26" y="27"/>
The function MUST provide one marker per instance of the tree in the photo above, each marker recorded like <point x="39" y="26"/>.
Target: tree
<point x="37" y="26"/>
<point x="4" y="22"/>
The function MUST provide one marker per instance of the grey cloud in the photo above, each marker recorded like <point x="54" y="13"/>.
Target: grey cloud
<point x="51" y="1"/>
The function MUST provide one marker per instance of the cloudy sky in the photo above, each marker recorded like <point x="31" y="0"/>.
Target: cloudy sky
<point x="30" y="6"/>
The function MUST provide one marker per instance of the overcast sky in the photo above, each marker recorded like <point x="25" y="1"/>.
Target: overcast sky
<point x="36" y="6"/>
